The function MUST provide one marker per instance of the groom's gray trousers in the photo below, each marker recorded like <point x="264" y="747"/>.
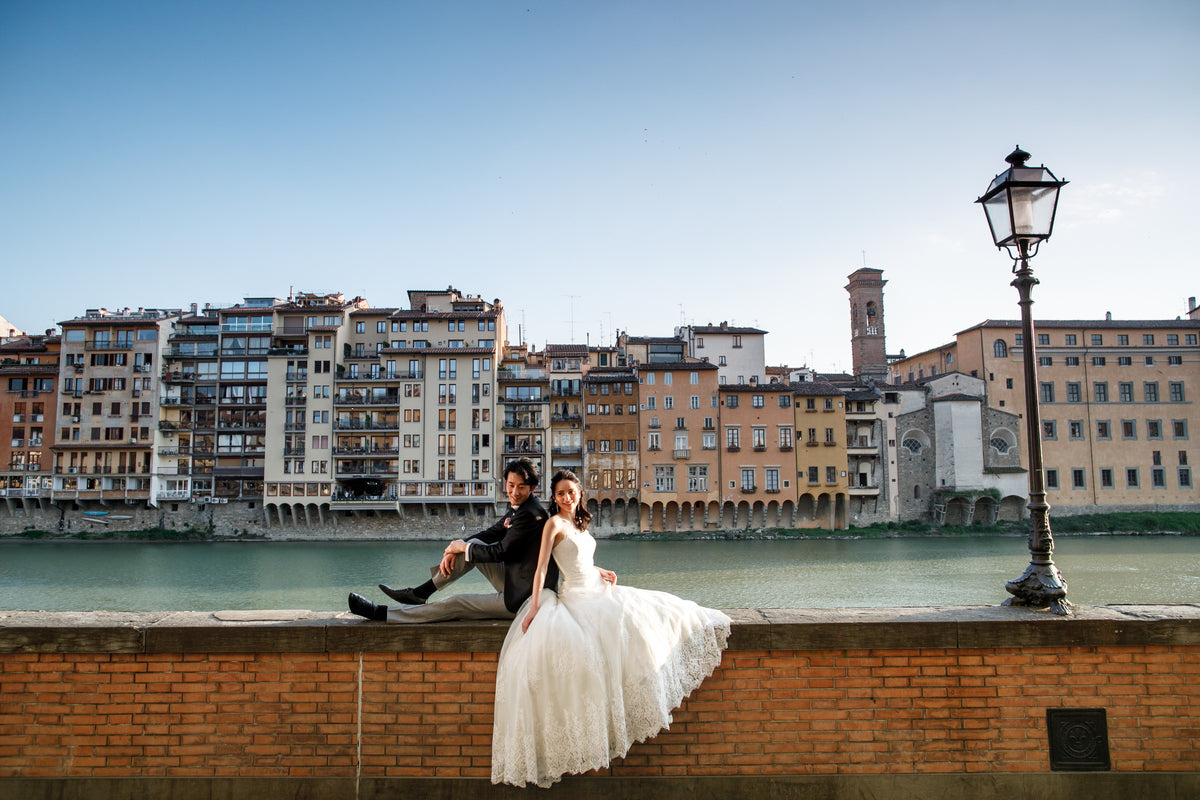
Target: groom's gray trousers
<point x="461" y="606"/>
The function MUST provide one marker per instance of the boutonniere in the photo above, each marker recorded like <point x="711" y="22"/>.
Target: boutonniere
<point x="508" y="522"/>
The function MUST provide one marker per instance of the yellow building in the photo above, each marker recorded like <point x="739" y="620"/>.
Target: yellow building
<point x="821" y="456"/>
<point x="1117" y="402"/>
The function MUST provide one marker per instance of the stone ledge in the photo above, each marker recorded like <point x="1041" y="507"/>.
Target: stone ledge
<point x="978" y="627"/>
<point x="979" y="786"/>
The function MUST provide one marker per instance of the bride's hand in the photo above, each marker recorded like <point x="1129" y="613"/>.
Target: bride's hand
<point x="528" y="619"/>
<point x="607" y="575"/>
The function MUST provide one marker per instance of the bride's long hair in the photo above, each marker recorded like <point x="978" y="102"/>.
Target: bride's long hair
<point x="582" y="515"/>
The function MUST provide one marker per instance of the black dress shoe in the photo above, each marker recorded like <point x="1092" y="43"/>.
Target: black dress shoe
<point x="365" y="608"/>
<point x="405" y="596"/>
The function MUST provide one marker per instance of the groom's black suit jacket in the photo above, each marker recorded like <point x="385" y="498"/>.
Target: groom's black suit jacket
<point x="515" y="541"/>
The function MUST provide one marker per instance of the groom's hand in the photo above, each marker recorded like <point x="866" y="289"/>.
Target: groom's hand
<point x="449" y="555"/>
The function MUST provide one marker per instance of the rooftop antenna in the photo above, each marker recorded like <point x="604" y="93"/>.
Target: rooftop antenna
<point x="864" y="252"/>
<point x="573" y="298"/>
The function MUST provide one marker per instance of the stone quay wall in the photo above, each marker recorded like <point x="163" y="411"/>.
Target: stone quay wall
<point x="850" y="703"/>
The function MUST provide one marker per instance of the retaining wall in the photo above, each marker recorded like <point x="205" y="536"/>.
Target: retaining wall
<point x="849" y="703"/>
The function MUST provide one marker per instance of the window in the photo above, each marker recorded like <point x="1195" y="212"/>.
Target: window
<point x="1125" y="392"/>
<point x="731" y="401"/>
<point x="1175" y="389"/>
<point x="759" y="438"/>
<point x="1098" y="361"/>
<point x="708" y="441"/>
<point x="1124" y="361"/>
<point x="1045" y="361"/>
<point x="1148" y="338"/>
<point x="757" y="401"/>
<point x="654" y="441"/>
<point x="912" y="445"/>
<point x="1179" y="428"/>
<point x="785" y="437"/>
<point x="1002" y="446"/>
<point x="814" y="475"/>
<point x="1043" y="339"/>
<point x="1150" y="391"/>
<point x="1100" y="392"/>
<point x="1131" y="477"/>
<point x="697" y="477"/>
<point x="772" y="479"/>
<point x="1158" y="478"/>
<point x="733" y="437"/>
<point x="1185" y="478"/>
<point x="785" y="401"/>
<point x="999" y="349"/>
<point x="1122" y="340"/>
<point x="1074" y="393"/>
<point x="1072" y="361"/>
<point x="1077" y="479"/>
<point x="1049" y="429"/>
<point x="1154" y="429"/>
<point x="1047" y="392"/>
<point x="748" y="479"/>
<point x="1070" y="340"/>
<point x="664" y="478"/>
<point x="1075" y="428"/>
<point x="1106" y="478"/>
<point x="1097" y="340"/>
<point x="1128" y="429"/>
<point x="831" y="475"/>
<point x="1175" y="361"/>
<point x="1103" y="429"/>
<point x="1051" y="478"/>
<point x="694" y="401"/>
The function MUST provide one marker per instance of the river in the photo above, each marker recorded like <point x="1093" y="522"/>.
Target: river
<point x="821" y="573"/>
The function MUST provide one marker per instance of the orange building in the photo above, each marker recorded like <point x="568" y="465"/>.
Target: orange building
<point x="28" y="416"/>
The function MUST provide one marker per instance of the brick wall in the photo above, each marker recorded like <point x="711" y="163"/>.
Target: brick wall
<point x="292" y="709"/>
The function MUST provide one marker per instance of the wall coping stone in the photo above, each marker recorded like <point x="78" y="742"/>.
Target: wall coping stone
<point x="301" y="631"/>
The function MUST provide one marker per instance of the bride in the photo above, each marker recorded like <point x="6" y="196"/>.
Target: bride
<point x="588" y="672"/>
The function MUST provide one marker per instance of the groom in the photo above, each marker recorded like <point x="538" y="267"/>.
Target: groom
<point x="505" y="553"/>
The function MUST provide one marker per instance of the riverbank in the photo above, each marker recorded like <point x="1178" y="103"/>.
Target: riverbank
<point x="1130" y="524"/>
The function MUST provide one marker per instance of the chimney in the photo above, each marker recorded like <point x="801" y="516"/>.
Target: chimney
<point x="1108" y="316"/>
<point x="1191" y="304"/>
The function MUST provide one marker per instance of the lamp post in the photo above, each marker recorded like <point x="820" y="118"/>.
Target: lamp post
<point x="1020" y="204"/>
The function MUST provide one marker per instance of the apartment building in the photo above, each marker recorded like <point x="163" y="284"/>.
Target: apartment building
<point x="108" y="379"/>
<point x="185" y="443"/>
<point x="678" y="407"/>
<point x="821" y="455"/>
<point x="611" y="461"/>
<point x="757" y="430"/>
<point x="384" y="409"/>
<point x="1116" y="403"/>
<point x="567" y="365"/>
<point x="523" y="405"/>
<point x="28" y="417"/>
<point x="738" y="352"/>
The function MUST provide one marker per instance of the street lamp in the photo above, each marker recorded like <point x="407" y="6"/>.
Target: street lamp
<point x="1020" y="205"/>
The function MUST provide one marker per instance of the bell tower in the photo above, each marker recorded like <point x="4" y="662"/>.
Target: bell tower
<point x="866" y="324"/>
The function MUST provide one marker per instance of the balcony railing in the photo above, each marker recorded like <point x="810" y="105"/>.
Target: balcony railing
<point x="682" y="453"/>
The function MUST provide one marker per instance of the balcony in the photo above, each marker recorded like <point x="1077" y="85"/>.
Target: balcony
<point x="733" y="448"/>
<point x="297" y="375"/>
<point x="295" y="401"/>
<point x="173" y="494"/>
<point x="179" y="377"/>
<point x="864" y="491"/>
<point x="684" y="453"/>
<point x="366" y="425"/>
<point x="571" y="450"/>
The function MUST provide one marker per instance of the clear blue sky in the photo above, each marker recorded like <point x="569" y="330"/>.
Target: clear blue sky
<point x="597" y="165"/>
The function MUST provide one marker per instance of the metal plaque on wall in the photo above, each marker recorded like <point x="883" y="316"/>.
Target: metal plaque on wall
<point x="1078" y="738"/>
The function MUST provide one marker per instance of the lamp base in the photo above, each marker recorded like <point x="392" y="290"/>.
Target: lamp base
<point x="1041" y="586"/>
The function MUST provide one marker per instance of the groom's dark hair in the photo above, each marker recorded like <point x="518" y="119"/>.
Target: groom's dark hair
<point x="525" y="470"/>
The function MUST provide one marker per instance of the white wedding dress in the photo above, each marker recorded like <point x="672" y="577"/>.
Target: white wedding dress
<point x="601" y="667"/>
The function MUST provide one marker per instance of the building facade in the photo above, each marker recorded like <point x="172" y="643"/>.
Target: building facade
<point x="1116" y="404"/>
<point x="28" y="418"/>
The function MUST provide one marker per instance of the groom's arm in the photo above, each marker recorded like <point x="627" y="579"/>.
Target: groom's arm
<point x="525" y="525"/>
